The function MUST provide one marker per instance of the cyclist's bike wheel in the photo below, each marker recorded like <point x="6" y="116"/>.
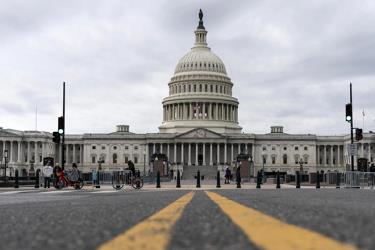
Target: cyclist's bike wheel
<point x="137" y="183"/>
<point x="79" y="185"/>
<point x="60" y="184"/>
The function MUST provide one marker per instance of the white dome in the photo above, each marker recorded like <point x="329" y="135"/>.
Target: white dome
<point x="200" y="59"/>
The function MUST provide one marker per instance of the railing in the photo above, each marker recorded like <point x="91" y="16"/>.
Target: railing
<point x="356" y="179"/>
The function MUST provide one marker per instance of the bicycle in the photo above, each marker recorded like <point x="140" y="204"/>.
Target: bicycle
<point x="121" y="178"/>
<point x="64" y="181"/>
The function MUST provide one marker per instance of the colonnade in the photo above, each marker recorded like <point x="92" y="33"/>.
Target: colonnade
<point x="200" y="110"/>
<point x="202" y="153"/>
<point x="25" y="151"/>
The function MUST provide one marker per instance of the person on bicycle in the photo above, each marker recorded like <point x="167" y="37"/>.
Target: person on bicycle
<point x="131" y="167"/>
<point x="74" y="174"/>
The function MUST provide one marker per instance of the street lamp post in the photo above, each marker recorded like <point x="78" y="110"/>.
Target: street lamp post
<point x="300" y="167"/>
<point x="263" y="160"/>
<point x="5" y="165"/>
<point x="144" y="162"/>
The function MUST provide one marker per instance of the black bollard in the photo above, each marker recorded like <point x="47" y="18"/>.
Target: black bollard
<point x="258" y="180"/>
<point x="278" y="180"/>
<point x="238" y="178"/>
<point x="298" y="180"/>
<point x="198" y="179"/>
<point x="97" y="180"/>
<point x="178" y="185"/>
<point x="37" y="179"/>
<point x="158" y="180"/>
<point x="16" y="184"/>
<point x="317" y="179"/>
<point x="338" y="176"/>
<point x="218" y="180"/>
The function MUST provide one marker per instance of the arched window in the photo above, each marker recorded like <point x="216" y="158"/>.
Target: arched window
<point x="195" y="88"/>
<point x="200" y="87"/>
<point x="211" y="89"/>
<point x="189" y="88"/>
<point x="179" y="88"/>
<point x="114" y="158"/>
<point x="184" y="88"/>
<point x="285" y="159"/>
<point x="306" y="159"/>
<point x="296" y="159"/>
<point x="205" y="88"/>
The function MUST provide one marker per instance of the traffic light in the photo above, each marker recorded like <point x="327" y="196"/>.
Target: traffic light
<point x="61" y="125"/>
<point x="349" y="114"/>
<point x="358" y="134"/>
<point x="56" y="137"/>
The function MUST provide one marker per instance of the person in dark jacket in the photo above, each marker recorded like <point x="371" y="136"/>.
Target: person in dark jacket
<point x="228" y="176"/>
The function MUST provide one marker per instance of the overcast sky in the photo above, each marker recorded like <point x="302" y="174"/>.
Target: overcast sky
<point x="291" y="62"/>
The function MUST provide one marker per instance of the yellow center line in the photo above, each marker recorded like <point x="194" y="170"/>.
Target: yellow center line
<point x="269" y="233"/>
<point x="152" y="233"/>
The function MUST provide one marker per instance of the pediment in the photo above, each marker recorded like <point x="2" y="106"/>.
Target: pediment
<point x="4" y="133"/>
<point x="200" y="133"/>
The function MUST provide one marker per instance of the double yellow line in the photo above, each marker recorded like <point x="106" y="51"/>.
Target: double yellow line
<point x="262" y="230"/>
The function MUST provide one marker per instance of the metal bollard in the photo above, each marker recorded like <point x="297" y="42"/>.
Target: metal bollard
<point x="298" y="181"/>
<point x="338" y="176"/>
<point x="37" y="178"/>
<point x="97" y="179"/>
<point x="278" y="180"/>
<point x="158" y="180"/>
<point x="317" y="180"/>
<point x="218" y="180"/>
<point x="16" y="184"/>
<point x="238" y="178"/>
<point x="258" y="180"/>
<point x="178" y="185"/>
<point x="198" y="179"/>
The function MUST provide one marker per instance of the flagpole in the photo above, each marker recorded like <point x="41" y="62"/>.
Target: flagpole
<point x="363" y="120"/>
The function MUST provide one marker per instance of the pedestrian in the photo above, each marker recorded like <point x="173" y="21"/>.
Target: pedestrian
<point x="228" y="175"/>
<point x="47" y="171"/>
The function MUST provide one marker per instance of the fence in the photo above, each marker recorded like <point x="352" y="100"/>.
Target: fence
<point x="356" y="179"/>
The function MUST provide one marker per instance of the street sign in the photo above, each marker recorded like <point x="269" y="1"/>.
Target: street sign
<point x="352" y="149"/>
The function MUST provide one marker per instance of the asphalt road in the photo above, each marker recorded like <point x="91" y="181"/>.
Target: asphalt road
<point x="87" y="219"/>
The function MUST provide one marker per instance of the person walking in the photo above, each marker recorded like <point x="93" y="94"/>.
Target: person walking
<point x="47" y="171"/>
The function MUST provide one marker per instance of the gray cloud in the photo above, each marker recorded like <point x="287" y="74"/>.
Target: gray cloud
<point x="291" y="62"/>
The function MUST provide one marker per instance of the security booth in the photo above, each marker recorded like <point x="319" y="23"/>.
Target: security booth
<point x="159" y="162"/>
<point x="245" y="162"/>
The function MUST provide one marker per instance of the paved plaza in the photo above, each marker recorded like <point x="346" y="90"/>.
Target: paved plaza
<point x="187" y="218"/>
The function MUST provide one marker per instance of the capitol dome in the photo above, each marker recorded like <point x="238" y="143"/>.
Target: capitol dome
<point x="200" y="59"/>
<point x="200" y="92"/>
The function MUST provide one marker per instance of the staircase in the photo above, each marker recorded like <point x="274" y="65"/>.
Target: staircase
<point x="209" y="172"/>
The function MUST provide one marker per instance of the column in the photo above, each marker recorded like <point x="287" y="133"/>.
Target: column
<point x="210" y="111"/>
<point x="67" y="155"/>
<point x="174" y="153"/>
<point x="222" y="112"/>
<point x="154" y="148"/>
<point x="216" y="111"/>
<point x="217" y="154"/>
<point x="246" y="148"/>
<point x="28" y="152"/>
<point x="331" y="158"/>
<point x="203" y="110"/>
<point x="182" y="153"/>
<point x="19" y="151"/>
<point x="196" y="154"/>
<point x="339" y="155"/>
<point x="190" y="113"/>
<point x="11" y="151"/>
<point x="369" y="152"/>
<point x="74" y="154"/>
<point x="204" y="154"/>
<point x="324" y="155"/>
<point x="211" y="154"/>
<point x="239" y="148"/>
<point x="231" y="152"/>
<point x="318" y="156"/>
<point x="36" y="152"/>
<point x="189" y="155"/>
<point x="161" y="148"/>
<point x="168" y="151"/>
<point x="225" y="153"/>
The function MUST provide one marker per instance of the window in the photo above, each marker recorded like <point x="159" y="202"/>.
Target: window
<point x="114" y="158"/>
<point x="273" y="148"/>
<point x="296" y="158"/>
<point x="126" y="147"/>
<point x="135" y="147"/>
<point x="273" y="159"/>
<point x="189" y="88"/>
<point x="126" y="159"/>
<point x="211" y="88"/>
<point x="216" y="88"/>
<point x="305" y="148"/>
<point x="135" y="159"/>
<point x="195" y="88"/>
<point x="264" y="159"/>
<point x="264" y="148"/>
<point x="296" y="148"/>
<point x="40" y="158"/>
<point x="93" y="147"/>
<point x="285" y="159"/>
<point x="93" y="159"/>
<point x="103" y="147"/>
<point x="205" y="87"/>
<point x="284" y="148"/>
<point x="114" y="147"/>
<point x="200" y="87"/>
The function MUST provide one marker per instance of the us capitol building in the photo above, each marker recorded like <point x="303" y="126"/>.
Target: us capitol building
<point x="200" y="129"/>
